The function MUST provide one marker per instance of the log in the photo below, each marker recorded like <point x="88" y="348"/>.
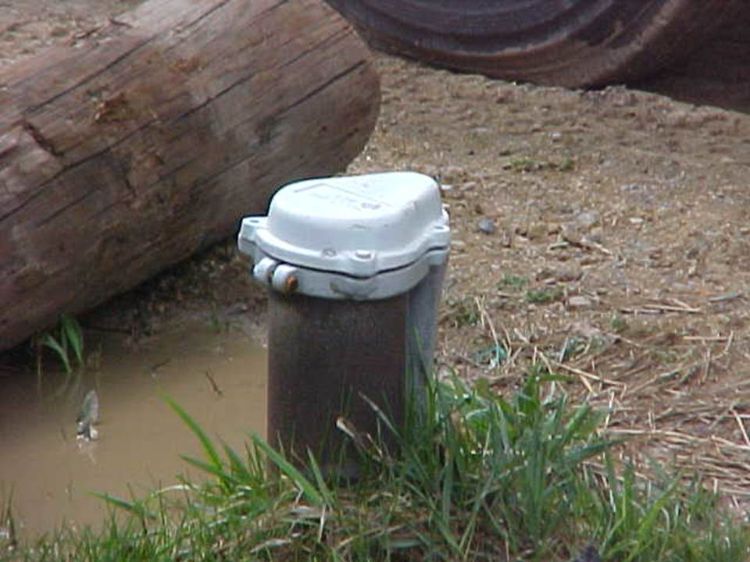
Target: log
<point x="150" y="139"/>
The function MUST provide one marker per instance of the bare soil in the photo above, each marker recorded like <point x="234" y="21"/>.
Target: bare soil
<point x="602" y="233"/>
<point x="27" y="26"/>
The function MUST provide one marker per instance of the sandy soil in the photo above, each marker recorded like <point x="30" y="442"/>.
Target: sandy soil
<point x="27" y="26"/>
<point x="603" y="233"/>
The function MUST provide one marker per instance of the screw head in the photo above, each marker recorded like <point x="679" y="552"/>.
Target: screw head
<point x="291" y="284"/>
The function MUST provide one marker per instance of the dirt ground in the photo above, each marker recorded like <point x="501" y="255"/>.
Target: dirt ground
<point x="602" y="233"/>
<point x="27" y="26"/>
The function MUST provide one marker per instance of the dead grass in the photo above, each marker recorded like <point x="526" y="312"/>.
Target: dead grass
<point x="642" y="244"/>
<point x="672" y="395"/>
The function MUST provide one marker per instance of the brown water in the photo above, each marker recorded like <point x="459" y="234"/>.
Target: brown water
<point x="219" y="378"/>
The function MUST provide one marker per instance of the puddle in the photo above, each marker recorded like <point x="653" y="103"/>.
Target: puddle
<point x="220" y="379"/>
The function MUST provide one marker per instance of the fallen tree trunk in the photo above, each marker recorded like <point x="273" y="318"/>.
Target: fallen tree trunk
<point x="149" y="140"/>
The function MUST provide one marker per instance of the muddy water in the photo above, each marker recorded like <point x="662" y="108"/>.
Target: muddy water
<point x="219" y="378"/>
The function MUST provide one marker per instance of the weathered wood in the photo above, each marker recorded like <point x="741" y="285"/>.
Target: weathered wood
<point x="151" y="138"/>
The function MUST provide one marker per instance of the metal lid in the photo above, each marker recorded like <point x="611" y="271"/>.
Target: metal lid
<point x="357" y="226"/>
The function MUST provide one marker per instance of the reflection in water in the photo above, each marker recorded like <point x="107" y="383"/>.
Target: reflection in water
<point x="88" y="416"/>
<point x="218" y="378"/>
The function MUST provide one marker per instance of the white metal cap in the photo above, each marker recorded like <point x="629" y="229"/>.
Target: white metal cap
<point x="366" y="237"/>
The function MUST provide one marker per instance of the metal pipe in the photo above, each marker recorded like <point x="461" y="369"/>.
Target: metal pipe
<point x="325" y="356"/>
<point x="355" y="268"/>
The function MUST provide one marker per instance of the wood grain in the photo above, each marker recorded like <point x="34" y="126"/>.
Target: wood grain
<point x="151" y="138"/>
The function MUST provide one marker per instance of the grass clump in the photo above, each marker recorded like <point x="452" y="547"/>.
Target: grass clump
<point x="524" y="164"/>
<point x="527" y="164"/>
<point x="513" y="281"/>
<point x="544" y="296"/>
<point x="618" y="324"/>
<point x="463" y="312"/>
<point x="472" y="476"/>
<point x="66" y="342"/>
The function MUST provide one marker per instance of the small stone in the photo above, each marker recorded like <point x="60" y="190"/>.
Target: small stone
<point x="564" y="274"/>
<point x="545" y="274"/>
<point x="536" y="230"/>
<point x="596" y="235"/>
<point x="631" y="187"/>
<point x="506" y="240"/>
<point x="568" y="274"/>
<point x="587" y="219"/>
<point x="571" y="235"/>
<point x="486" y="226"/>
<point x="578" y="301"/>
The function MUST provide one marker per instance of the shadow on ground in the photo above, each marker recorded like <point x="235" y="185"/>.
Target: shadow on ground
<point x="717" y="74"/>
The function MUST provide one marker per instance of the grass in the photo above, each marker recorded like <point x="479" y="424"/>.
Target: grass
<point x="617" y="323"/>
<point x="544" y="296"/>
<point x="512" y="281"/>
<point x="463" y="312"/>
<point x="66" y="342"/>
<point x="526" y="164"/>
<point x="475" y="476"/>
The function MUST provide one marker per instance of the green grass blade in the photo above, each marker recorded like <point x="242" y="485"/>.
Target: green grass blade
<point x="307" y="488"/>
<point x="237" y="464"/>
<point x="325" y="491"/>
<point x="134" y="508"/>
<point x="206" y="443"/>
<point x="71" y="331"/>
<point x="648" y="529"/>
<point x="62" y="353"/>
<point x="473" y="476"/>
<point x="209" y="468"/>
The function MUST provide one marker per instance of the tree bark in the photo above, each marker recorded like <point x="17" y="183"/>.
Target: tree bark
<point x="151" y="138"/>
